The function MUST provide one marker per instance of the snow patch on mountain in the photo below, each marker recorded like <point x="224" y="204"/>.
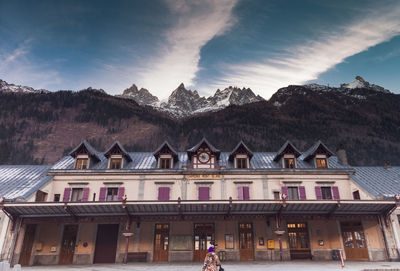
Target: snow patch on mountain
<point x="6" y="87"/>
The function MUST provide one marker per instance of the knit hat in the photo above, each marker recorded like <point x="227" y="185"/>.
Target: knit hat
<point x="211" y="248"/>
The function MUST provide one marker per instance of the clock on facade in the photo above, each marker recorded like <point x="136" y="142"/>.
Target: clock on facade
<point x="204" y="157"/>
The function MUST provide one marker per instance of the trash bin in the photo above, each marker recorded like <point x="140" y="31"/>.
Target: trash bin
<point x="222" y="255"/>
<point x="335" y="255"/>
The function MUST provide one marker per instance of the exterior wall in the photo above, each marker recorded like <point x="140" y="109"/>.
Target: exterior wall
<point x="4" y="224"/>
<point x="375" y="240"/>
<point x="326" y="231"/>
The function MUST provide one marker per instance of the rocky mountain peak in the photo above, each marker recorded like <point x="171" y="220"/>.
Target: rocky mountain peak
<point x="141" y="96"/>
<point x="359" y="82"/>
<point x="6" y="87"/>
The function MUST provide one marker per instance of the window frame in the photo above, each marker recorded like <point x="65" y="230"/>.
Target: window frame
<point x="297" y="192"/>
<point x="319" y="166"/>
<point x="289" y="158"/>
<point x="79" y="165"/>
<point x="114" y="159"/>
<point x="277" y="193"/>
<point x="356" y="195"/>
<point x="75" y="190"/>
<point x="114" y="197"/>
<point x="326" y="188"/>
<point x="239" y="165"/>
<point x="162" y="162"/>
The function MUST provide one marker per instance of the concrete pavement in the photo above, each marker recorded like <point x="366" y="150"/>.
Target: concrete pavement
<point x="231" y="266"/>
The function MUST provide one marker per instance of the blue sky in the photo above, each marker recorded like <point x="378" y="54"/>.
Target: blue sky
<point x="207" y="44"/>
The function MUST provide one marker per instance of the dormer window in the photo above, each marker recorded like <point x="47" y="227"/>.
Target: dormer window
<point x="82" y="163"/>
<point x="115" y="162"/>
<point x="321" y="162"/>
<point x="165" y="163"/>
<point x="241" y="163"/>
<point x="289" y="162"/>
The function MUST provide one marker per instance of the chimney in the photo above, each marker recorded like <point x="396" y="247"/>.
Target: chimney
<point x="387" y="165"/>
<point x="341" y="155"/>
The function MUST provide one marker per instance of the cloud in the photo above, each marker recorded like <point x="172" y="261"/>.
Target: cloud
<point x="17" y="67"/>
<point x="302" y="63"/>
<point x="197" y="22"/>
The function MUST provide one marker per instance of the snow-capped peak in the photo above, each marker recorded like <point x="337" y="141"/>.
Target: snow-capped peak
<point x="6" y="87"/>
<point x="359" y="82"/>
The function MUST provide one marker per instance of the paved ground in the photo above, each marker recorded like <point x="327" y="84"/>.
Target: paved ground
<point x="240" y="266"/>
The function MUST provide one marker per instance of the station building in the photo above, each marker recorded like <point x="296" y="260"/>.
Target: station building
<point x="165" y="206"/>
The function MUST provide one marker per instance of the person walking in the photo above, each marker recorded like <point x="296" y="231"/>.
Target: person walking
<point x="211" y="261"/>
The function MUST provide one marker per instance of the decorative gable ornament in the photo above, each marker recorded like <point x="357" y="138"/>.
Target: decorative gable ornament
<point x="117" y="149"/>
<point x="85" y="148"/>
<point x="287" y="148"/>
<point x="240" y="148"/>
<point x="317" y="148"/>
<point x="166" y="148"/>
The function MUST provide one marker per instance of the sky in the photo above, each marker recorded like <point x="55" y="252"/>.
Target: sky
<point x="205" y="44"/>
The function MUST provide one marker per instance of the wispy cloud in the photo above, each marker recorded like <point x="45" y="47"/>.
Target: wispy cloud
<point x="302" y="63"/>
<point x="17" y="67"/>
<point x="197" y="22"/>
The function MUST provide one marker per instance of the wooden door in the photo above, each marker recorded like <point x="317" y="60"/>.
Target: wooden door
<point x="161" y="243"/>
<point x="246" y="242"/>
<point x="204" y="236"/>
<point x="27" y="245"/>
<point x="299" y="241"/>
<point x="106" y="243"/>
<point x="68" y="244"/>
<point x="354" y="243"/>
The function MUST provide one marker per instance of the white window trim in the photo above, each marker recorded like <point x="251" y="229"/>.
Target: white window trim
<point x="289" y="156"/>
<point x="242" y="156"/>
<point x="82" y="156"/>
<point x="116" y="156"/>
<point x="165" y="156"/>
<point x="321" y="156"/>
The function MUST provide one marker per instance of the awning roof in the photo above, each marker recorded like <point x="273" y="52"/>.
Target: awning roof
<point x="236" y="207"/>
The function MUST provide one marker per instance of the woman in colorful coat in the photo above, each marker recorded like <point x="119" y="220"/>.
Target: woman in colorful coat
<point x="211" y="261"/>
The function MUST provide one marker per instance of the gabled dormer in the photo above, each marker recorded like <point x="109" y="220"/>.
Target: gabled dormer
<point x="241" y="156"/>
<point x="203" y="155"/>
<point x="166" y="156"/>
<point x="318" y="154"/>
<point x="117" y="156"/>
<point x="287" y="155"/>
<point x="85" y="156"/>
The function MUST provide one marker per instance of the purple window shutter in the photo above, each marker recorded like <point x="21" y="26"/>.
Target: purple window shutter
<point x="121" y="192"/>
<point x="284" y="191"/>
<point x="318" y="192"/>
<point x="335" y="191"/>
<point x="102" y="194"/>
<point x="204" y="193"/>
<point x="67" y="194"/>
<point x="246" y="193"/>
<point x="302" y="191"/>
<point x="240" y="193"/>
<point x="163" y="193"/>
<point x="85" y="194"/>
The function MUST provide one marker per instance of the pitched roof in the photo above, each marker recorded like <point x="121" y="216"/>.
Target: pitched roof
<point x="160" y="150"/>
<point x="379" y="181"/>
<point x="117" y="146"/>
<point x="197" y="146"/>
<point x="288" y="147"/>
<point x="86" y="148"/>
<point x="20" y="181"/>
<point x="240" y="147"/>
<point x="315" y="149"/>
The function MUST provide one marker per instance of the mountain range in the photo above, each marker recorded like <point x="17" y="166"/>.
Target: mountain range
<point x="37" y="126"/>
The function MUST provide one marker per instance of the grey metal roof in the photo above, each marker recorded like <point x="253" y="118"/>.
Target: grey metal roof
<point x="146" y="160"/>
<point x="379" y="181"/>
<point x="21" y="181"/>
<point x="204" y="140"/>
<point x="282" y="149"/>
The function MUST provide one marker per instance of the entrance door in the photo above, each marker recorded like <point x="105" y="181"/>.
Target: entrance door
<point x="246" y="243"/>
<point x="27" y="245"/>
<point x="203" y="238"/>
<point x="299" y="242"/>
<point x="106" y="243"/>
<point x="68" y="244"/>
<point x="354" y="243"/>
<point x="161" y="243"/>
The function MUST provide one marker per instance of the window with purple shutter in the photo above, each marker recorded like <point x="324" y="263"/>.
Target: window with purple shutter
<point x="204" y="193"/>
<point x="318" y="193"/>
<point x="163" y="193"/>
<point x="240" y="193"/>
<point x="121" y="192"/>
<point x="284" y="191"/>
<point x="85" y="194"/>
<point x="67" y="194"/>
<point x="302" y="192"/>
<point x="335" y="191"/>
<point x="246" y="193"/>
<point x="102" y="194"/>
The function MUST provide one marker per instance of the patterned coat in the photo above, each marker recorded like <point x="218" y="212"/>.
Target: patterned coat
<point x="210" y="262"/>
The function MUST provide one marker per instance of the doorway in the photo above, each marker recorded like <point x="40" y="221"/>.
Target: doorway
<point x="106" y="243"/>
<point x="354" y="242"/>
<point x="68" y="244"/>
<point x="246" y="242"/>
<point x="27" y="245"/>
<point x="161" y="243"/>
<point x="299" y="241"/>
<point x="204" y="236"/>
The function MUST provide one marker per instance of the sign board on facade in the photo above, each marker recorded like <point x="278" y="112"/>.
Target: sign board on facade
<point x="203" y="176"/>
